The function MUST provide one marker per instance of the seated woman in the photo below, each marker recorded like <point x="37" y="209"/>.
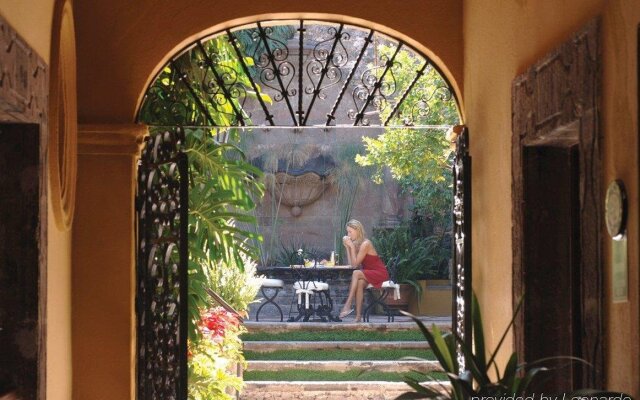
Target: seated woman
<point x="360" y="251"/>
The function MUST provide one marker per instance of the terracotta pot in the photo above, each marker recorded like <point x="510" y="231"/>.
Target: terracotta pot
<point x="406" y="294"/>
<point x="435" y="300"/>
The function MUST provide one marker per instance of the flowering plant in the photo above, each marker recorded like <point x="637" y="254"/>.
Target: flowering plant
<point x="215" y="322"/>
<point x="215" y="358"/>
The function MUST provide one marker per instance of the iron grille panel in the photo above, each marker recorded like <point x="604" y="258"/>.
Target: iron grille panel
<point x="299" y="73"/>
<point x="462" y="243"/>
<point x="161" y="297"/>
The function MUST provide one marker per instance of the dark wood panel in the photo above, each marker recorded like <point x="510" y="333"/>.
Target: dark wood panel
<point x="552" y="260"/>
<point x="19" y="253"/>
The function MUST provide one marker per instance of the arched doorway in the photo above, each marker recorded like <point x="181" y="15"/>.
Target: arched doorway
<point x="301" y="76"/>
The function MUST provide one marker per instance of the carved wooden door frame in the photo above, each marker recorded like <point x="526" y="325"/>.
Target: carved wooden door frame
<point x="24" y="84"/>
<point x="563" y="90"/>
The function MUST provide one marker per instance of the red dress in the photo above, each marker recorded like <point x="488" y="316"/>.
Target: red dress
<point x="374" y="270"/>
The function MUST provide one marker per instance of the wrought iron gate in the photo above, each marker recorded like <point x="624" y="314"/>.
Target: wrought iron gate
<point x="462" y="242"/>
<point x="161" y="295"/>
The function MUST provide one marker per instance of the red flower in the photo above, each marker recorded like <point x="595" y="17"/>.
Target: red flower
<point x="215" y="322"/>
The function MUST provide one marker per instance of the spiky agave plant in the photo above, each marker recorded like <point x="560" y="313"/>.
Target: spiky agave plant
<point x="475" y="381"/>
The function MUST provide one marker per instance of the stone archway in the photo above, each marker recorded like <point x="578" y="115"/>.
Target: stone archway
<point x="297" y="76"/>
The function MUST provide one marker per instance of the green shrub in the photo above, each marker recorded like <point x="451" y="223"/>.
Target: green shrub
<point x="410" y="258"/>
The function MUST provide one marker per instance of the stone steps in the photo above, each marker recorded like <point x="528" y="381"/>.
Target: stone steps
<point x="347" y="365"/>
<point x="335" y="390"/>
<point x="269" y="346"/>
<point x="374" y="390"/>
<point x="279" y="327"/>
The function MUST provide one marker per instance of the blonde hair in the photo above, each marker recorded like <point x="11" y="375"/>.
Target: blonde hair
<point x="359" y="228"/>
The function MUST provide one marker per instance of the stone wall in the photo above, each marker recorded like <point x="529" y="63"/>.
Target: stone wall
<point x="287" y="218"/>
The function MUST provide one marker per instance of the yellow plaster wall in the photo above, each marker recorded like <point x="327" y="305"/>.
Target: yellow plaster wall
<point x="32" y="19"/>
<point x="58" y="340"/>
<point x="501" y="39"/>
<point x="620" y="91"/>
<point x="103" y="286"/>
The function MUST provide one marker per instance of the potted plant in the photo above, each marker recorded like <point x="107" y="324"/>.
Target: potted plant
<point x="435" y="281"/>
<point x="405" y="258"/>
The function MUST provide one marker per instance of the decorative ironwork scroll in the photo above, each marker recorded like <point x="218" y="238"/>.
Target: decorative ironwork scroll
<point x="462" y="243"/>
<point x="296" y="73"/>
<point x="161" y="302"/>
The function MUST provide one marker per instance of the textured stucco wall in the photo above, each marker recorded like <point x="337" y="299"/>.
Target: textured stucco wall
<point x="59" y="368"/>
<point x="103" y="271"/>
<point x="620" y="126"/>
<point x="501" y="39"/>
<point x="32" y="19"/>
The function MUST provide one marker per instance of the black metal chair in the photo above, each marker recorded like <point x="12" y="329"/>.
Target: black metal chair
<point x="377" y="296"/>
<point x="311" y="296"/>
<point x="270" y="284"/>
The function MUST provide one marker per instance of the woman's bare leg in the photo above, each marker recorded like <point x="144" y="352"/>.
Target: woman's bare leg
<point x="355" y="278"/>
<point x="362" y="283"/>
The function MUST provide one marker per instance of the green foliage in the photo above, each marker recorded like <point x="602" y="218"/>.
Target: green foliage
<point x="170" y="102"/>
<point x="336" y="376"/>
<point x="223" y="188"/>
<point x="419" y="159"/>
<point x="222" y="192"/>
<point x="237" y="285"/>
<point x="474" y="381"/>
<point x="431" y="98"/>
<point x="289" y="254"/>
<point x="411" y="257"/>
<point x="255" y="46"/>
<point x="482" y="377"/>
<point x="418" y="155"/>
<point x="409" y="154"/>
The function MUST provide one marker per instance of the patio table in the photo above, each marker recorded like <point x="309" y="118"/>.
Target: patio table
<point x="317" y="273"/>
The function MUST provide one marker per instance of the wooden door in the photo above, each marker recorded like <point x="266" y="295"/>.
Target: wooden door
<point x="556" y="104"/>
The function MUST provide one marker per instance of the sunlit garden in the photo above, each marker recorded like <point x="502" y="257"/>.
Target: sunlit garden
<point x="266" y="181"/>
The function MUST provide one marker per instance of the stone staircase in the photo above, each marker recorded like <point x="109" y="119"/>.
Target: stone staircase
<point x="323" y="390"/>
<point x="334" y="390"/>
